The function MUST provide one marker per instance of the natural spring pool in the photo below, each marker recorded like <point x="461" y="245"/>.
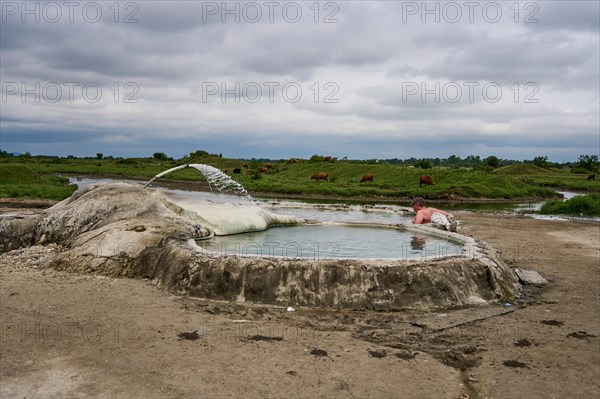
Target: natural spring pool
<point x="334" y="241"/>
<point x="353" y="256"/>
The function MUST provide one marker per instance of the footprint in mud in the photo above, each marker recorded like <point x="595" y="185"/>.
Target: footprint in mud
<point x="377" y="354"/>
<point x="457" y="360"/>
<point x="342" y="386"/>
<point x="406" y="355"/>
<point x="553" y="322"/>
<point x="319" y="352"/>
<point x="580" y="335"/>
<point x="522" y="343"/>
<point x="514" y="364"/>
<point x="263" y="338"/>
<point x="316" y="352"/>
<point x="191" y="336"/>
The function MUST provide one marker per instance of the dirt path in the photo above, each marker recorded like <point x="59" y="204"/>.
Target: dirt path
<point x="68" y="335"/>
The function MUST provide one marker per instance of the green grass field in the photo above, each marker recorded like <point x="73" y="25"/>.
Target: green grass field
<point x="22" y="181"/>
<point x="44" y="177"/>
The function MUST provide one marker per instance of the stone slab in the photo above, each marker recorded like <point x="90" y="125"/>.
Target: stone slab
<point x="530" y="277"/>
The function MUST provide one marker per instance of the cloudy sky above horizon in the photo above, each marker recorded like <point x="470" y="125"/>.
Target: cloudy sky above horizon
<point x="279" y="79"/>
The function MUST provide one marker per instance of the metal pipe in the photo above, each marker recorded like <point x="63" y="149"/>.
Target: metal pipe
<point x="167" y="172"/>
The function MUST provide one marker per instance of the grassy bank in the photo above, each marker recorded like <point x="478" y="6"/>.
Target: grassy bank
<point x="582" y="205"/>
<point x="533" y="175"/>
<point x="21" y="181"/>
<point x="38" y="177"/>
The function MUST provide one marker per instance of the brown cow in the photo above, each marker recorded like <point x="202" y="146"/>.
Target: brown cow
<point x="320" y="176"/>
<point x="328" y="158"/>
<point x="591" y="177"/>
<point x="426" y="180"/>
<point x="263" y="169"/>
<point x="367" y="177"/>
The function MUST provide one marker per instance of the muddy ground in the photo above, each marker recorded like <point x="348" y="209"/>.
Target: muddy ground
<point x="68" y="335"/>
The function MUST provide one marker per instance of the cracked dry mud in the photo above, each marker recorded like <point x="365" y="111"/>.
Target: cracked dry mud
<point x="74" y="335"/>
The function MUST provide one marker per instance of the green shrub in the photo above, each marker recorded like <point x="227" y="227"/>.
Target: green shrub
<point x="581" y="205"/>
<point x="423" y="164"/>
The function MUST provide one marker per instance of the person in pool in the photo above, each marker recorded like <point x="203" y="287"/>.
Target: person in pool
<point x="427" y="214"/>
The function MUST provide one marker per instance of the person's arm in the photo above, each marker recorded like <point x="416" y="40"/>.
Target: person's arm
<point x="418" y="218"/>
<point x="440" y="211"/>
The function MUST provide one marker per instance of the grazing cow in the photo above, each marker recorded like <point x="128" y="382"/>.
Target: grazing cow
<point x="591" y="177"/>
<point x="320" y="176"/>
<point x="237" y="171"/>
<point x="367" y="177"/>
<point x="426" y="180"/>
<point x="263" y="170"/>
<point x="269" y="166"/>
<point x="327" y="158"/>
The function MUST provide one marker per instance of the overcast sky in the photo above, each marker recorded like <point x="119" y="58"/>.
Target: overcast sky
<point x="277" y="79"/>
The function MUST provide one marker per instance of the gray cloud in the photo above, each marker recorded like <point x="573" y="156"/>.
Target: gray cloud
<point x="370" y="52"/>
<point x="552" y="58"/>
<point x="575" y="15"/>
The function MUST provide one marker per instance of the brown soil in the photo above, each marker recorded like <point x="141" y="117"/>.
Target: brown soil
<point x="68" y="335"/>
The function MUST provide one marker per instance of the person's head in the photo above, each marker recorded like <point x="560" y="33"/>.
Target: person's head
<point x="418" y="203"/>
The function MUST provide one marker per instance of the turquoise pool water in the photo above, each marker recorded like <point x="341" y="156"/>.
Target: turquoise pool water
<point x="333" y="242"/>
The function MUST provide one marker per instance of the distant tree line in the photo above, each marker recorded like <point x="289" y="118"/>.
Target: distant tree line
<point x="585" y="163"/>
